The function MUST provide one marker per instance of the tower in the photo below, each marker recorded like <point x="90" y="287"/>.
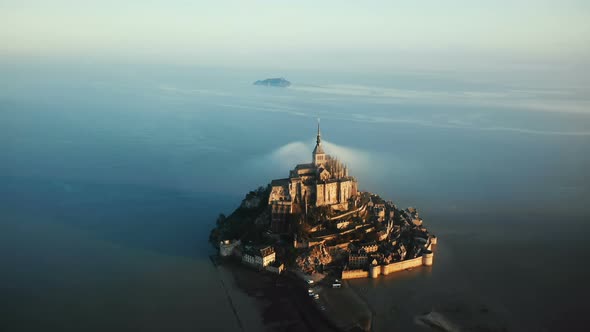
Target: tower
<point x="319" y="157"/>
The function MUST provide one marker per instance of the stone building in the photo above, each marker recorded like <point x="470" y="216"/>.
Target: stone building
<point x="357" y="260"/>
<point x="260" y="257"/>
<point x="323" y="182"/>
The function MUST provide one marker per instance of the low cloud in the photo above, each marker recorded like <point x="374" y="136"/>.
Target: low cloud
<point x="368" y="167"/>
<point x="548" y="100"/>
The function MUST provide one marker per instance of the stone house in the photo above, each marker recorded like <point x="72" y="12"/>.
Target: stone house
<point x="260" y="257"/>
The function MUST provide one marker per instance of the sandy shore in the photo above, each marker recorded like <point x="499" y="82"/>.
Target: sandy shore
<point x="246" y="309"/>
<point x="346" y="309"/>
<point x="262" y="301"/>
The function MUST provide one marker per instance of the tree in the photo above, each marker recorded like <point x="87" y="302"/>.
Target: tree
<point x="220" y="219"/>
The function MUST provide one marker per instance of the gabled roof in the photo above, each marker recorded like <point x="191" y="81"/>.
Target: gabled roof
<point x="318" y="149"/>
<point x="259" y="251"/>
<point x="279" y="182"/>
<point x="304" y="166"/>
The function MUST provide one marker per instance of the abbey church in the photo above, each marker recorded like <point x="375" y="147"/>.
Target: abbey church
<point x="324" y="182"/>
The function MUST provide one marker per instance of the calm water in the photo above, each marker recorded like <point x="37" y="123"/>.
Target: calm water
<point x="111" y="178"/>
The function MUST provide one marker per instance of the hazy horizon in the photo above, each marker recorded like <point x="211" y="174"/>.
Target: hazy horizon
<point x="372" y="36"/>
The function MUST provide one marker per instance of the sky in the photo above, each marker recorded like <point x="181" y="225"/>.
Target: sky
<point x="306" y="34"/>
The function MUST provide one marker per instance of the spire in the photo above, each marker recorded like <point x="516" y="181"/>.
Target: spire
<point x="319" y="139"/>
<point x="319" y="157"/>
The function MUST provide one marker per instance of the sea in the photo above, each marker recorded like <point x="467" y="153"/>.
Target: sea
<point x="113" y="174"/>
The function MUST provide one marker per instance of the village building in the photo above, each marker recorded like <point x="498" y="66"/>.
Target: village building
<point x="357" y="260"/>
<point x="379" y="211"/>
<point x="260" y="257"/>
<point x="365" y="247"/>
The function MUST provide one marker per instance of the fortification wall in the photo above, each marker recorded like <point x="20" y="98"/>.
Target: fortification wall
<point x="376" y="270"/>
<point x="353" y="274"/>
<point x="434" y="240"/>
<point x="275" y="269"/>
<point x="400" y="266"/>
<point x="428" y="259"/>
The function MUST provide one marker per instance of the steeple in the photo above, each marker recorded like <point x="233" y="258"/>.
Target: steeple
<point x="319" y="139"/>
<point x="319" y="157"/>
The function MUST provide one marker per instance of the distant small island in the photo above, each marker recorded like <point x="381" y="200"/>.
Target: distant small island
<point x="278" y="82"/>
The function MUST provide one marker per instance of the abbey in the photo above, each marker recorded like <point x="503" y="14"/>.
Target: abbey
<point x="320" y="224"/>
<point x="323" y="182"/>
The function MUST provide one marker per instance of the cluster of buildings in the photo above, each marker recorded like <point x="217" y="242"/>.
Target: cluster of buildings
<point x="258" y="256"/>
<point x="362" y="234"/>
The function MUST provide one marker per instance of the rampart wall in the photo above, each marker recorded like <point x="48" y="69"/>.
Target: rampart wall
<point x="385" y="269"/>
<point x="400" y="266"/>
<point x="353" y="274"/>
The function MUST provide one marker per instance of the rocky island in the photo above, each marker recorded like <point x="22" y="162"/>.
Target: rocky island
<point x="317" y="227"/>
<point x="276" y="82"/>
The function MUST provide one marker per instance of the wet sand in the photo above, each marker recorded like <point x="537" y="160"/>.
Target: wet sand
<point x="246" y="309"/>
<point x="58" y="278"/>
<point x="281" y="301"/>
<point x="347" y="310"/>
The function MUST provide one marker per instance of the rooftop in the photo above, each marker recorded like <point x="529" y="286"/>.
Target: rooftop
<point x="280" y="182"/>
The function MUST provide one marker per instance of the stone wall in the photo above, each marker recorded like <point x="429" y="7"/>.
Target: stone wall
<point x="400" y="266"/>
<point x="335" y="192"/>
<point x="338" y="248"/>
<point x="347" y="189"/>
<point x="275" y="269"/>
<point x="353" y="274"/>
<point x="303" y="243"/>
<point x="376" y="270"/>
<point x="327" y="193"/>
<point x="428" y="259"/>
<point x="279" y="216"/>
<point x="279" y="193"/>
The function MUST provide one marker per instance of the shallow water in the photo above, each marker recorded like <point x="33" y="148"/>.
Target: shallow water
<point x="112" y="177"/>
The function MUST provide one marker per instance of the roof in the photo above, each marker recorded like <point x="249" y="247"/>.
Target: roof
<point x="304" y="166"/>
<point x="259" y="251"/>
<point x="266" y="251"/>
<point x="368" y="244"/>
<point x="343" y="179"/>
<point x="279" y="182"/>
<point x="318" y="149"/>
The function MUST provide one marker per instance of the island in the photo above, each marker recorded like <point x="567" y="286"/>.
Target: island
<point x="318" y="228"/>
<point x="317" y="221"/>
<point x="276" y="82"/>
